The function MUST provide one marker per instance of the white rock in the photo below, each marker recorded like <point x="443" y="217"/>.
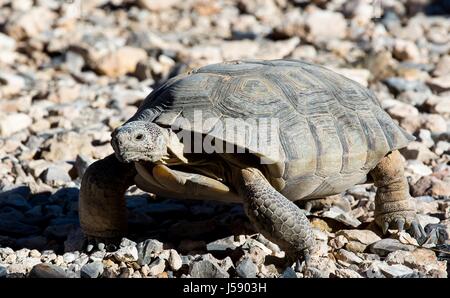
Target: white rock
<point x="443" y="106"/>
<point x="400" y="110"/>
<point x="443" y="66"/>
<point x="417" y="167"/>
<point x="347" y="273"/>
<point x="441" y="147"/>
<point x="406" y="50"/>
<point x="126" y="254"/>
<point x="341" y="216"/>
<point x="11" y="83"/>
<point x="347" y="256"/>
<point x="12" y="123"/>
<point x="424" y="220"/>
<point x="397" y="270"/>
<point x="6" y="42"/>
<point x="358" y="239"/>
<point x="424" y="260"/>
<point x="425" y="137"/>
<point x="157" y="267"/>
<point x="30" y="23"/>
<point x="440" y="84"/>
<point x="324" y="25"/>
<point x="418" y="151"/>
<point x="120" y="62"/>
<point x="55" y="175"/>
<point x="434" y="122"/>
<point x="175" y="261"/>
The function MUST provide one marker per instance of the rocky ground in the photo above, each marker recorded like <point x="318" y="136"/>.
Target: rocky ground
<point x="72" y="71"/>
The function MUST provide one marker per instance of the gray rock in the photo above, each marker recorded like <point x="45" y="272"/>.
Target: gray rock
<point x="442" y="147"/>
<point x="55" y="176"/>
<point x="425" y="137"/>
<point x="82" y="162"/>
<point x="126" y="254"/>
<point x="3" y="272"/>
<point x="414" y="98"/>
<point x="399" y="85"/>
<point x="388" y="245"/>
<point x="226" y="264"/>
<point x="373" y="271"/>
<point x="74" y="62"/>
<point x="347" y="273"/>
<point x="340" y="215"/>
<point x="439" y="84"/>
<point x="425" y="220"/>
<point x="124" y="242"/>
<point x="92" y="270"/>
<point x="14" y="122"/>
<point x="48" y="271"/>
<point x="437" y="234"/>
<point x="99" y="255"/>
<point x="157" y="266"/>
<point x="324" y="25"/>
<point x="207" y="269"/>
<point x="175" y="261"/>
<point x="222" y="244"/>
<point x="289" y="273"/>
<point x="147" y="249"/>
<point x="246" y="268"/>
<point x="396" y="270"/>
<point x="69" y="257"/>
<point x="347" y="256"/>
<point x="186" y="260"/>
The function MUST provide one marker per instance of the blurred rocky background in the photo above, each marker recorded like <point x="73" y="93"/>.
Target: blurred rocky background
<point x="73" y="70"/>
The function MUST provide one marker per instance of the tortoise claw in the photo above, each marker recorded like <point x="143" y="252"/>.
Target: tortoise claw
<point x="418" y="231"/>
<point x="400" y="225"/>
<point x="385" y="227"/>
<point x="305" y="256"/>
<point x="298" y="265"/>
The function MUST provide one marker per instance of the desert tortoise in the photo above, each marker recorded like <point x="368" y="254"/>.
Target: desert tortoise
<point x="331" y="134"/>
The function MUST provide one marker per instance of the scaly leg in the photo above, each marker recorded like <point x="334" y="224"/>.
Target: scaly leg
<point x="274" y="216"/>
<point x="393" y="207"/>
<point x="102" y="210"/>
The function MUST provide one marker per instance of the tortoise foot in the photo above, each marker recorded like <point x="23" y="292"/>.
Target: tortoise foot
<point x="400" y="219"/>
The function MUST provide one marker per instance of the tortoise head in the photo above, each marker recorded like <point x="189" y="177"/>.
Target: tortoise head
<point x="139" y="141"/>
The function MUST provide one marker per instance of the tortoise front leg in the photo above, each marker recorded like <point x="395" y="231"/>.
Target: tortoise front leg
<point x="274" y="216"/>
<point x="393" y="207"/>
<point x="102" y="209"/>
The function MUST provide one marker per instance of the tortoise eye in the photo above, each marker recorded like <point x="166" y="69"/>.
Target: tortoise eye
<point x="139" y="137"/>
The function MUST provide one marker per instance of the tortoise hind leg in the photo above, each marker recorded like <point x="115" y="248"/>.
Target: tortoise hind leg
<point x="102" y="210"/>
<point x="274" y="216"/>
<point x="393" y="207"/>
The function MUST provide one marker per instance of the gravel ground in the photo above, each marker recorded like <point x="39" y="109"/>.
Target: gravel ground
<point x="72" y="71"/>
